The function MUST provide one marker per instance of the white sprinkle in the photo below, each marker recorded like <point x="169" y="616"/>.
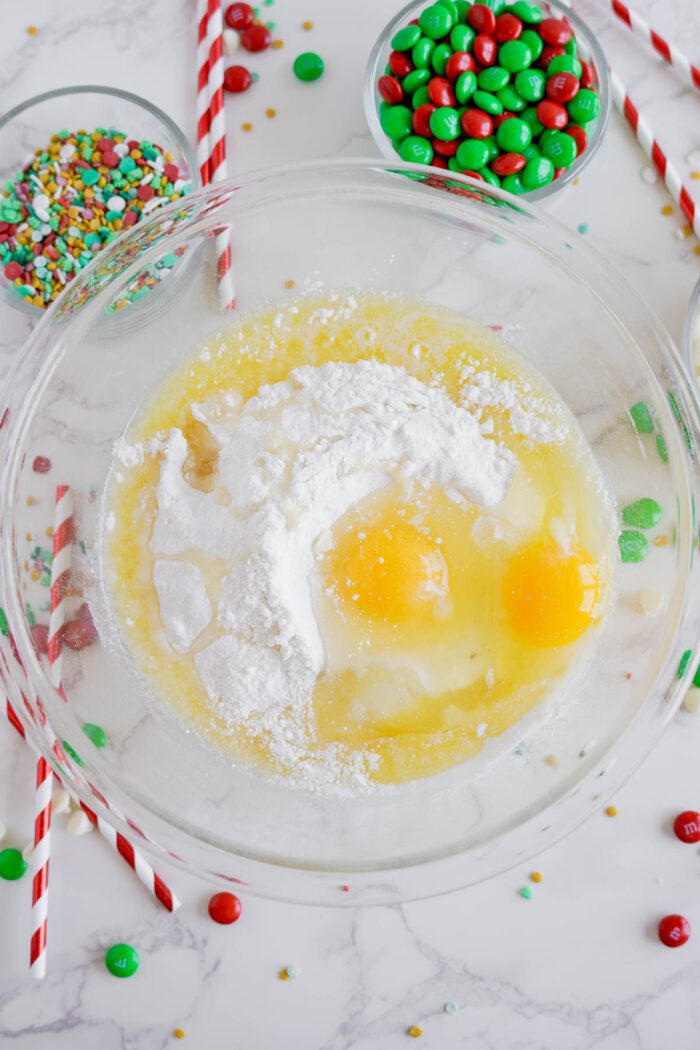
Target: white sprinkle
<point x="116" y="204"/>
<point x="692" y="700"/>
<point x="36" y="236"/>
<point x="78" y="824"/>
<point x="481" y="729"/>
<point x="231" y="41"/>
<point x="650" y="601"/>
<point x="66" y="151"/>
<point x="693" y="158"/>
<point x="60" y="801"/>
<point x="680" y="233"/>
<point x="650" y="175"/>
<point x="3" y="831"/>
<point x="146" y="179"/>
<point x="28" y="852"/>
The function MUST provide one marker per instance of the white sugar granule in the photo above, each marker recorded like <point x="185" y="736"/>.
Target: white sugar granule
<point x="292" y="460"/>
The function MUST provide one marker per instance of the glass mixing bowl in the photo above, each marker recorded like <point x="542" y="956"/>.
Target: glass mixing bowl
<point x="588" y="49"/>
<point x="369" y="226"/>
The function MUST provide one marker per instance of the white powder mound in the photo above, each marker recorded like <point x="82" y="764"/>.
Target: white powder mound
<point x="529" y="416"/>
<point x="293" y="459"/>
<point x="185" y="609"/>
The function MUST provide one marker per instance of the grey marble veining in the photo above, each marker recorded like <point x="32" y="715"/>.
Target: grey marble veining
<point x="576" y="968"/>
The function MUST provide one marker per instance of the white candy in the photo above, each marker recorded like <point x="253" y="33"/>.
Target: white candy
<point x="28" y="852"/>
<point x="116" y="204"/>
<point x="650" y="175"/>
<point x="692" y="700"/>
<point x="650" y="601"/>
<point x="3" y="831"/>
<point x="78" y="823"/>
<point x="231" y="41"/>
<point x="60" y="801"/>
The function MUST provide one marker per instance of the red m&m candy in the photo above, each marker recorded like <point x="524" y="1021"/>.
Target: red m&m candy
<point x="256" y="38"/>
<point x="554" y="31"/>
<point x="508" y="164"/>
<point x="459" y="62"/>
<point x="485" y="49"/>
<point x="400" y="64"/>
<point x="476" y="123"/>
<point x="548" y="53"/>
<point x="507" y="27"/>
<point x="421" y="119"/>
<point x="687" y="826"/>
<point x="390" y="89"/>
<point x="587" y="74"/>
<point x="674" y="930"/>
<point x="237" y="79"/>
<point x="441" y="92"/>
<point x="13" y="270"/>
<point x="562" y="87"/>
<point x="239" y="16"/>
<point x="552" y="115"/>
<point x="579" y="136"/>
<point x="481" y="18"/>
<point x="225" y="908"/>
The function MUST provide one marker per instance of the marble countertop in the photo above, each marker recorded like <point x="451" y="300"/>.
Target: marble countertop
<point x="575" y="968"/>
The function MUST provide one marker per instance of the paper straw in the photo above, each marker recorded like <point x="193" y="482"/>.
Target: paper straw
<point x="653" y="150"/>
<point x="203" y="118"/>
<point x="669" y="52"/>
<point x="40" y="881"/>
<point x="60" y="582"/>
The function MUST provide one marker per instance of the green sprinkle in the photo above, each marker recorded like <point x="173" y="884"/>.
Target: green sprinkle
<point x="525" y="892"/>
<point x="73" y="753"/>
<point x="685" y="660"/>
<point x="63" y="134"/>
<point x="127" y="164"/>
<point x="90" y="176"/>
<point x="583" y="227"/>
<point x="642" y="514"/>
<point x="4" y="629"/>
<point x="641" y="418"/>
<point x="31" y="620"/>
<point x="661" y="448"/>
<point x="633" y="545"/>
<point x="95" y="733"/>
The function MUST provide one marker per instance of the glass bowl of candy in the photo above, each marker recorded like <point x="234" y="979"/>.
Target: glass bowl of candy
<point x="516" y="95"/>
<point x="159" y="460"/>
<point x="691" y="332"/>
<point x="79" y="166"/>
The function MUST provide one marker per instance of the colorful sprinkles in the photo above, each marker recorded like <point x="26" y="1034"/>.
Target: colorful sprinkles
<point x="72" y="198"/>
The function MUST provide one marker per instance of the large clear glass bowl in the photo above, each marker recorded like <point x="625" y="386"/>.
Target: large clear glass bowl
<point x="588" y="49"/>
<point x="368" y="226"/>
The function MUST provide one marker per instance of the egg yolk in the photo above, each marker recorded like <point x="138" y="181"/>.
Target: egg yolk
<point x="552" y="596"/>
<point x="389" y="571"/>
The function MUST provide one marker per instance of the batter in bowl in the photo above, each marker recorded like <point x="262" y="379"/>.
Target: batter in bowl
<point x="355" y="537"/>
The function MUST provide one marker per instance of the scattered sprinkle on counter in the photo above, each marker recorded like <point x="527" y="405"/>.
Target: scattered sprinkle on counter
<point x="536" y="876"/>
<point x="686" y="826"/>
<point x="450" y="1008"/>
<point x="667" y="209"/>
<point x="277" y="44"/>
<point x="270" y="113"/>
<point x="72" y="198"/>
<point x="415" y="1031"/>
<point x="96" y="734"/>
<point x="307" y="26"/>
<point x="525" y="892"/>
<point x="552" y="760"/>
<point x="179" y="1033"/>
<point x="583" y="227"/>
<point x="32" y="31"/>
<point x="247" y="126"/>
<point x="290" y="283"/>
<point x="287" y="973"/>
<point x="611" y="811"/>
<point x="41" y="465"/>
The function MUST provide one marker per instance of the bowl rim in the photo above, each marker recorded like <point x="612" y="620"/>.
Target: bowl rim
<point x="6" y="118"/>
<point x="304" y="882"/>
<point x="692" y="318"/>
<point x="581" y="29"/>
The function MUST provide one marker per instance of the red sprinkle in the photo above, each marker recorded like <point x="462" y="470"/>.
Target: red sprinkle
<point x="554" y="31"/>
<point x="171" y="172"/>
<point x="237" y="79"/>
<point x="441" y="92"/>
<point x="390" y="89"/>
<point x="40" y="637"/>
<point x="41" y="465"/>
<point x="485" y="49"/>
<point x="239" y="16"/>
<point x="400" y="64"/>
<point x="562" y="87"/>
<point x="508" y="163"/>
<point x="687" y="826"/>
<point x="13" y="270"/>
<point x="674" y="930"/>
<point x="256" y="38"/>
<point x="459" y="62"/>
<point x="476" y="123"/>
<point x="508" y="27"/>
<point x="80" y="632"/>
<point x="145" y="193"/>
<point x="105" y="144"/>
<point x="481" y="18"/>
<point x="130" y="217"/>
<point x="552" y="115"/>
<point x="224" y="908"/>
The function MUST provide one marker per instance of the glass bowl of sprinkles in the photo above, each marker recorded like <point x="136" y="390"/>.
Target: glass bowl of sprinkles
<point x="516" y="95"/>
<point x="80" y="165"/>
<point x="325" y="255"/>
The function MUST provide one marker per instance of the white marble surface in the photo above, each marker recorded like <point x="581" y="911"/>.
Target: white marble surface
<point x="579" y="966"/>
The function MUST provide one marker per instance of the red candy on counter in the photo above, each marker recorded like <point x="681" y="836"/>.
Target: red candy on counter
<point x="237" y="79"/>
<point x="674" y="930"/>
<point x="239" y="16"/>
<point x="687" y="826"/>
<point x="224" y="908"/>
<point x="256" y="38"/>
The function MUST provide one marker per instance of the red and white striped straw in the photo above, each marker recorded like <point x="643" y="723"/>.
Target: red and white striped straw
<point x="669" y="52"/>
<point x="211" y="128"/>
<point x="136" y="861"/>
<point x="40" y="880"/>
<point x="60" y="582"/>
<point x="653" y="150"/>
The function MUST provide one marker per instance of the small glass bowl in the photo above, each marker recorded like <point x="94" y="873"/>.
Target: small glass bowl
<point x="691" y="332"/>
<point x="588" y="48"/>
<point x="31" y="124"/>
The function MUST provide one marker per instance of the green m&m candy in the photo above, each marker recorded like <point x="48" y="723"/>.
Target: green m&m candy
<point x="440" y="56"/>
<point x="531" y="151"/>
<point x="422" y="53"/>
<point x="488" y="102"/>
<point x="537" y="172"/>
<point x="513" y="184"/>
<point x="95" y="733"/>
<point x="444" y="124"/>
<point x="510" y="99"/>
<point x="397" y="122"/>
<point x="530" y="84"/>
<point x="496" y="6"/>
<point x="416" y="78"/>
<point x="420" y="97"/>
<point x="633" y="546"/>
<point x="492" y="147"/>
<point x="122" y="960"/>
<point x="489" y="176"/>
<point x="493" y="78"/>
<point x="571" y="47"/>
<point x="514" y="56"/>
<point x="462" y="8"/>
<point x="405" y="38"/>
<point x="472" y="155"/>
<point x="585" y="106"/>
<point x="561" y="149"/>
<point x="527" y="12"/>
<point x="644" y="513"/>
<point x="308" y="66"/>
<point x="534" y="123"/>
<point x="513" y="135"/>
<point x="462" y="38"/>
<point x="565" y="64"/>
<point x="534" y="41"/>
<point x="416" y="150"/>
<point x="451" y="7"/>
<point x="436" y="21"/>
<point x="12" y="865"/>
<point x="465" y="86"/>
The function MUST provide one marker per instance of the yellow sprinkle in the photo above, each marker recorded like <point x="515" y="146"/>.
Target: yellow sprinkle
<point x="687" y="230"/>
<point x="291" y="283"/>
<point x="277" y="44"/>
<point x="30" y="501"/>
<point x="695" y="176"/>
<point x="611" y="811"/>
<point x="283" y="975"/>
<point x="247" y="126"/>
<point x="270" y="112"/>
<point x="576" y="181"/>
<point x="32" y="30"/>
<point x="667" y="209"/>
<point x="307" y="25"/>
<point x="49" y="531"/>
<point x="36" y="574"/>
<point x="415" y="1031"/>
<point x="536" y="876"/>
<point x="552" y="760"/>
<point x="661" y="541"/>
<point x="696" y="249"/>
<point x="28" y="537"/>
<point x="179" y="1033"/>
